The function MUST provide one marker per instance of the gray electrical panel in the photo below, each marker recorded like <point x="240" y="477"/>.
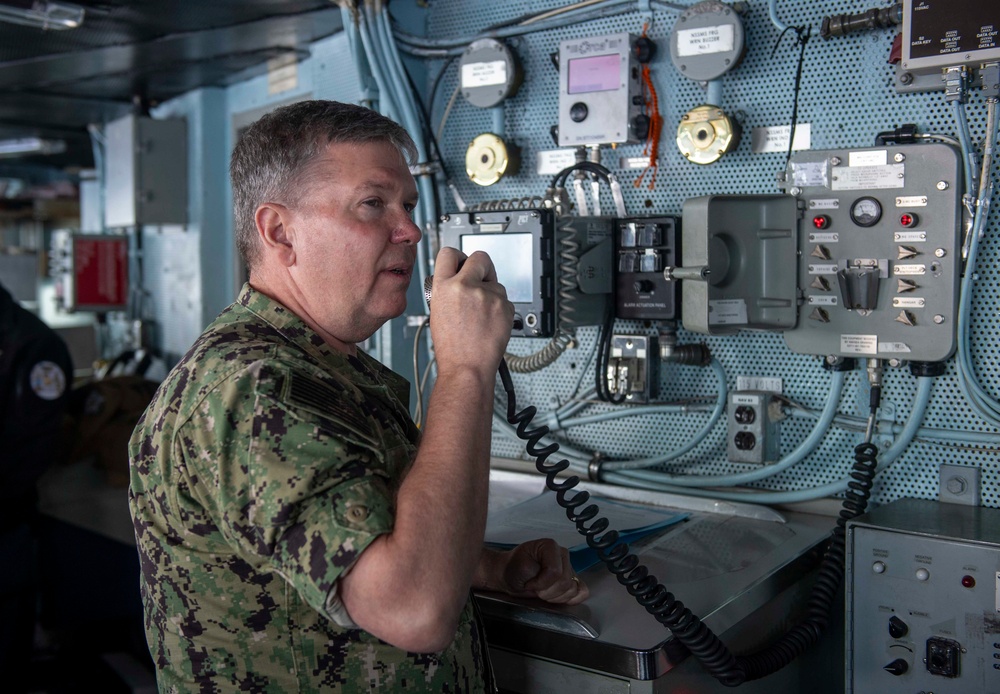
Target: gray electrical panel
<point x="145" y="172"/>
<point x="880" y="257"/>
<point x="923" y="599"/>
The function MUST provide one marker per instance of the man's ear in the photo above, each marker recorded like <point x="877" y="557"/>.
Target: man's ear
<point x="274" y="231"/>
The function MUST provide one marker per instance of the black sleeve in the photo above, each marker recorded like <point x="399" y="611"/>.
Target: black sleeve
<point x="35" y="393"/>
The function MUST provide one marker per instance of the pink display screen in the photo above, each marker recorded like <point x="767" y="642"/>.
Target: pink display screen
<point x="599" y="73"/>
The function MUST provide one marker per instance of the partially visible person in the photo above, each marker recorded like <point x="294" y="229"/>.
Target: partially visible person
<point x="35" y="379"/>
<point x="296" y="532"/>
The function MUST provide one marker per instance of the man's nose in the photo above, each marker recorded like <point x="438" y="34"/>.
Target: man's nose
<point x="407" y="232"/>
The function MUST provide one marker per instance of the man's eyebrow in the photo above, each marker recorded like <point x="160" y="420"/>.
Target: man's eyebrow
<point x="374" y="185"/>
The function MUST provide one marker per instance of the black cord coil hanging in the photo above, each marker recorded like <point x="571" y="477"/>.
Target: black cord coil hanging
<point x="689" y="630"/>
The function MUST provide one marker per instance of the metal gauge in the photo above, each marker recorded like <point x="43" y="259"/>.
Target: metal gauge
<point x="866" y="211"/>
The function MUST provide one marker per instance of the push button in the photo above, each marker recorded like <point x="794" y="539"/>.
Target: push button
<point x="578" y="112"/>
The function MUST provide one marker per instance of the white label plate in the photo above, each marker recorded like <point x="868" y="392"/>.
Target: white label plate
<point x="879" y="157"/>
<point x="552" y="161"/>
<point x="831" y="204"/>
<point x="484" y="74"/>
<point x="911" y="201"/>
<point x="706" y="40"/>
<point x="822" y="269"/>
<point x="859" y="344"/>
<point x="775" y="138"/>
<point x="866" y="177"/>
<point x="894" y="347"/>
<point x="908" y="302"/>
<point x="909" y="269"/>
<point x="910" y="236"/>
<point x="826" y="237"/>
<point x="771" y="384"/>
<point x="727" y="312"/>
<point x="815" y="300"/>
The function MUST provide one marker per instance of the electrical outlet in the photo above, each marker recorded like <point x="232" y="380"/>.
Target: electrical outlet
<point x="959" y="484"/>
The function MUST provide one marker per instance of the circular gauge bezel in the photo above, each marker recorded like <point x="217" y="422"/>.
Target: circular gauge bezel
<point x="874" y="220"/>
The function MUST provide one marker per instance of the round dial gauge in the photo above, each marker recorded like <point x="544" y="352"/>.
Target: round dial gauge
<point x="866" y="211"/>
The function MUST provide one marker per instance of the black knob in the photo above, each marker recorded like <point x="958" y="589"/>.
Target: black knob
<point x="897" y="667"/>
<point x="640" y="126"/>
<point x="578" y="112"/>
<point x="645" y="49"/>
<point x="897" y="628"/>
<point x="643" y="286"/>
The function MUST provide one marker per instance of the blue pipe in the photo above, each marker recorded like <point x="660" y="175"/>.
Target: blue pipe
<point x="772" y="12"/>
<point x="804" y="449"/>
<point x="720" y="406"/>
<point x="921" y="400"/>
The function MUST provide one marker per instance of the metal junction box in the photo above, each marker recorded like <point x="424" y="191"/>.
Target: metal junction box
<point x="923" y="599"/>
<point x="146" y="172"/>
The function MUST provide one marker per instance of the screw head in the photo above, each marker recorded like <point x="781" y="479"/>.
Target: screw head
<point x="899" y="157"/>
<point x="939" y="319"/>
<point x="905" y="78"/>
<point x="835" y="161"/>
<point x="940" y="252"/>
<point x="942" y="185"/>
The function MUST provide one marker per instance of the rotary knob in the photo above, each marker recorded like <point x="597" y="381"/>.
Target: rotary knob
<point x="897" y="628"/>
<point x="897" y="667"/>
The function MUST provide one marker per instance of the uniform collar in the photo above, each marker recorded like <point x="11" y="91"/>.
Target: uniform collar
<point x="364" y="369"/>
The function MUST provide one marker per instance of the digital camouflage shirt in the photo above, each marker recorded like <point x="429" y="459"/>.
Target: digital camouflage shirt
<point x="264" y="466"/>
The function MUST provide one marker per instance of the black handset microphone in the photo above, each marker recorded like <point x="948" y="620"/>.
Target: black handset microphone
<point x="428" y="287"/>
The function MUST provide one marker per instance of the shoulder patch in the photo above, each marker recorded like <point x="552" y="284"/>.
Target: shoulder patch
<point x="47" y="380"/>
<point x="327" y="401"/>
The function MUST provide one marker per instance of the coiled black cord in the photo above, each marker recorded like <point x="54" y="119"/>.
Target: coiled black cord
<point x="686" y="627"/>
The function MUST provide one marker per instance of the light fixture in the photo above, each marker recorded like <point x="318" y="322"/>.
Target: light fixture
<point x="30" y="145"/>
<point x="45" y="14"/>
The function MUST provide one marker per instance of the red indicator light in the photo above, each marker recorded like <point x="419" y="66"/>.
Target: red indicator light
<point x="968" y="581"/>
<point x="821" y="221"/>
<point x="908" y="220"/>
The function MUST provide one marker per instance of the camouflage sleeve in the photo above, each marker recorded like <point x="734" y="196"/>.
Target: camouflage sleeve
<point x="292" y="469"/>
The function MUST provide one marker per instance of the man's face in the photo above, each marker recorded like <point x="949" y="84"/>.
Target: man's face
<point x="354" y="239"/>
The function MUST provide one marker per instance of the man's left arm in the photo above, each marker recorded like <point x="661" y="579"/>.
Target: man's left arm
<point x="536" y="569"/>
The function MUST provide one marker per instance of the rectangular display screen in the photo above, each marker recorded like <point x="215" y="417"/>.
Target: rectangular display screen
<point x="599" y="73"/>
<point x="511" y="256"/>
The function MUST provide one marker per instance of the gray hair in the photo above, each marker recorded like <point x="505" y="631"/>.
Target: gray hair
<point x="273" y="152"/>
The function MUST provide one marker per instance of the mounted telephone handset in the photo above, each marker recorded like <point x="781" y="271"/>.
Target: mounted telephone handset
<point x="687" y="628"/>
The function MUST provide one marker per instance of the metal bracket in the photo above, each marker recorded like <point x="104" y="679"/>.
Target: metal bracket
<point x="960" y="484"/>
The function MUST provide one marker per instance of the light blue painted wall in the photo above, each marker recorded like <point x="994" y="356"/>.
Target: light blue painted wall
<point x="190" y="272"/>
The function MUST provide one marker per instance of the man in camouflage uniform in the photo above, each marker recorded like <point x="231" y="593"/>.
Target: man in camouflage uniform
<point x="296" y="532"/>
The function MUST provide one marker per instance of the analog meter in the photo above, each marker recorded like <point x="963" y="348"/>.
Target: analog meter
<point x="866" y="211"/>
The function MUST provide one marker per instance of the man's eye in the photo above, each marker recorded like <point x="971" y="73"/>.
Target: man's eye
<point x="373" y="202"/>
